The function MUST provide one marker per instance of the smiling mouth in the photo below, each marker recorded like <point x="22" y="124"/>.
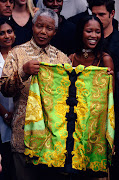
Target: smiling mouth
<point x="8" y="41"/>
<point x="92" y="41"/>
<point x="55" y="9"/>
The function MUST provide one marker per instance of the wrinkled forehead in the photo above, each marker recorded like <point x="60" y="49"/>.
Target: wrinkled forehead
<point x="44" y="18"/>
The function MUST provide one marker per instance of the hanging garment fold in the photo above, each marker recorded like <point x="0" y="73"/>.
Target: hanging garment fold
<point x="70" y="117"/>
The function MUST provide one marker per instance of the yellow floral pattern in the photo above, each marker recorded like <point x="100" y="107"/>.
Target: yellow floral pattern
<point x="46" y="127"/>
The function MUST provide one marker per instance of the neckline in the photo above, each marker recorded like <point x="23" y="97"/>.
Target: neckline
<point x="75" y="57"/>
<point x="18" y="24"/>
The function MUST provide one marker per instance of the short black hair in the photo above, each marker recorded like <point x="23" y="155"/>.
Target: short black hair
<point x="5" y="20"/>
<point x="109" y="4"/>
<point x="79" y="35"/>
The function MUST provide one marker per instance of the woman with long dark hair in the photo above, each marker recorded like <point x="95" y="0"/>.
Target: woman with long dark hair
<point x="90" y="51"/>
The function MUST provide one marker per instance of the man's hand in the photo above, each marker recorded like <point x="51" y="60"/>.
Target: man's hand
<point x="31" y="67"/>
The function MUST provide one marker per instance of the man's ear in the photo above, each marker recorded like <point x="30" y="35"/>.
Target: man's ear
<point x="112" y="14"/>
<point x="55" y="31"/>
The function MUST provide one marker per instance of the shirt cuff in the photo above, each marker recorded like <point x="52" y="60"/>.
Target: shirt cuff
<point x="24" y="76"/>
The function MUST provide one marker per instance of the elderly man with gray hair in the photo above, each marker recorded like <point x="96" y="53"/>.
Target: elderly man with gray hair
<point x="21" y="63"/>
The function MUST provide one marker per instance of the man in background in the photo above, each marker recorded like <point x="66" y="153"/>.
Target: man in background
<point x="70" y="7"/>
<point x="6" y="7"/>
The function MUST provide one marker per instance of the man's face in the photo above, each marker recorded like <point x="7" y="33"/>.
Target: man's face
<point x="6" y="7"/>
<point x="55" y="5"/>
<point x="43" y="30"/>
<point x="104" y="16"/>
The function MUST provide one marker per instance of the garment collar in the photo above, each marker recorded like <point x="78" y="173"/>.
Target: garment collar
<point x="39" y="49"/>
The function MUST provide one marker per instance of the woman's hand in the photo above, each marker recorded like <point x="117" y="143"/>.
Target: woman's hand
<point x="110" y="71"/>
<point x="35" y="9"/>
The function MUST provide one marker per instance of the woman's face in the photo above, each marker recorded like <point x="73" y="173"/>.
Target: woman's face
<point x="91" y="34"/>
<point x="7" y="36"/>
<point x="21" y="2"/>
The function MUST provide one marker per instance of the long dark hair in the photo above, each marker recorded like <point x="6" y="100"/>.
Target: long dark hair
<point x="5" y="20"/>
<point x="98" y="50"/>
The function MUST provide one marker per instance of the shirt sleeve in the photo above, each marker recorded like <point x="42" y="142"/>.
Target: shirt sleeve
<point x="13" y="77"/>
<point x="81" y="6"/>
<point x="62" y="58"/>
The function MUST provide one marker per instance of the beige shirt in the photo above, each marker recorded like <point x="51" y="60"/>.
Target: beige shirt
<point x="16" y="83"/>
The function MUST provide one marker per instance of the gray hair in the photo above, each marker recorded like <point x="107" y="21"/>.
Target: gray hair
<point x="46" y="12"/>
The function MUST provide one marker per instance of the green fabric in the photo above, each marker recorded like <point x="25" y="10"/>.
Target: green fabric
<point x="46" y="126"/>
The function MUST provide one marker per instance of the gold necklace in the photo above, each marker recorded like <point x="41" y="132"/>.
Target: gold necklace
<point x="85" y="52"/>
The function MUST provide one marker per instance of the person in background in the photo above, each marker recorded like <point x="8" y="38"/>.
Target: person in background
<point x="64" y="39"/>
<point x="90" y="53"/>
<point x="90" y="39"/>
<point x="116" y="11"/>
<point x="20" y="17"/>
<point x="6" y="7"/>
<point x="22" y="21"/>
<point x="75" y="19"/>
<point x="70" y="8"/>
<point x="105" y="11"/>
<point x="7" y="38"/>
<point x="21" y="63"/>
